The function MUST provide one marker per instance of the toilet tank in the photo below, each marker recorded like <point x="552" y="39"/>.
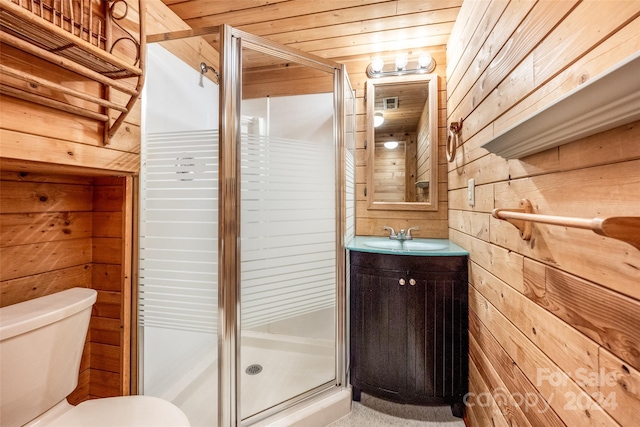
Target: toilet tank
<point x="41" y="343"/>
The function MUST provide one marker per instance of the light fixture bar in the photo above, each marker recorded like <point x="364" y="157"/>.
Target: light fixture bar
<point x="425" y="64"/>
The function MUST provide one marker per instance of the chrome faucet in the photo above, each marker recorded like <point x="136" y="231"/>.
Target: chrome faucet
<point x="409" y="236"/>
<point x="392" y="235"/>
<point x="401" y="234"/>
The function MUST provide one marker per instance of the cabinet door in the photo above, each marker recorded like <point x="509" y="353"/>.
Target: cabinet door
<point x="435" y="335"/>
<point x="379" y="325"/>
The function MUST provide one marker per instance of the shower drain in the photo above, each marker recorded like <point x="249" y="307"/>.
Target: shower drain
<point x="254" y="369"/>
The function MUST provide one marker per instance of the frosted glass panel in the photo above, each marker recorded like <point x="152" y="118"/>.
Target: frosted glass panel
<point x="288" y="229"/>
<point x="179" y="232"/>
<point x="288" y="247"/>
<point x="178" y="237"/>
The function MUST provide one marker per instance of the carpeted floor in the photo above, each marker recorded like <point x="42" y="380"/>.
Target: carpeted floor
<point x="373" y="412"/>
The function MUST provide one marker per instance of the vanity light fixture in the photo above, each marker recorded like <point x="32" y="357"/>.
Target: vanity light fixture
<point x="390" y="145"/>
<point x="378" y="119"/>
<point x="424" y="64"/>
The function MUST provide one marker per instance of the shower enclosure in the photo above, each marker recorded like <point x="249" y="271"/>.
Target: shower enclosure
<point x="246" y="200"/>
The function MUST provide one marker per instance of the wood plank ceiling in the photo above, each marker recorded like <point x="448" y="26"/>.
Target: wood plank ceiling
<point x="341" y="30"/>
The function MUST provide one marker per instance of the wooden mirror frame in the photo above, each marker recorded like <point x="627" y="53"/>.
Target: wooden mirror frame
<point x="432" y="81"/>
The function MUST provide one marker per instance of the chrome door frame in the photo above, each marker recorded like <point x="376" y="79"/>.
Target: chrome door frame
<point x="232" y="41"/>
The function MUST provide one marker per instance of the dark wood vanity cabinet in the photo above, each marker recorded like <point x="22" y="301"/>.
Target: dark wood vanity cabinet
<point x="408" y="336"/>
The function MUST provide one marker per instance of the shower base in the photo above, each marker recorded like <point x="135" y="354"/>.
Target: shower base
<point x="290" y="366"/>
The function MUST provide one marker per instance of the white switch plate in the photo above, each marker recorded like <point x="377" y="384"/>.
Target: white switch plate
<point x="471" y="192"/>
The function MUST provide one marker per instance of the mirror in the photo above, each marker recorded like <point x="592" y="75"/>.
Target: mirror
<point x="403" y="150"/>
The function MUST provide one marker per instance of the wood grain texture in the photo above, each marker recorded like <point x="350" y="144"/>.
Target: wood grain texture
<point x="17" y="229"/>
<point x="104" y="384"/>
<point x="485" y="408"/>
<point x="27" y="197"/>
<point x="64" y="231"/>
<point x="504" y="264"/>
<point x="105" y="357"/>
<point x="508" y="406"/>
<point x="107" y="224"/>
<point x="559" y="194"/>
<point x="108" y="198"/>
<point x="127" y="264"/>
<point x="107" y="250"/>
<point x="105" y="277"/>
<point x="44" y="176"/>
<point x="571" y="349"/>
<point x="619" y="387"/>
<point x="584" y="285"/>
<point x="105" y="331"/>
<point x="543" y="376"/>
<point x="510" y="54"/>
<point x="38" y="285"/>
<point x="610" y="51"/>
<point x="26" y="260"/>
<point x="484" y="48"/>
<point x="484" y="29"/>
<point x="614" y="323"/>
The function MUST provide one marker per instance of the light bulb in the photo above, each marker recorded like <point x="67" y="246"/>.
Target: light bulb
<point x="377" y="65"/>
<point x="401" y="61"/>
<point x="390" y="145"/>
<point x="425" y="60"/>
<point x="378" y="119"/>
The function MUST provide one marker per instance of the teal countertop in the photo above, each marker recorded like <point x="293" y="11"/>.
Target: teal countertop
<point x="415" y="247"/>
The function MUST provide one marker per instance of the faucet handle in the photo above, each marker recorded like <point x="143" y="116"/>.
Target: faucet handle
<point x="409" y="231"/>
<point x="393" y="232"/>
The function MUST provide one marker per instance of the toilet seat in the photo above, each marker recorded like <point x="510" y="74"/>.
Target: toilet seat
<point x="125" y="411"/>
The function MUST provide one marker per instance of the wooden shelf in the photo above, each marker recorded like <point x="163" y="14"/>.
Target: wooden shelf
<point x="605" y="102"/>
<point x="39" y="29"/>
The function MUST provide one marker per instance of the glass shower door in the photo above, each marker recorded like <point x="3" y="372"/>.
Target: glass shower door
<point x="288" y="232"/>
<point x="178" y="285"/>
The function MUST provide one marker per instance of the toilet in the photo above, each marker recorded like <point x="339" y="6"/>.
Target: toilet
<point x="41" y="344"/>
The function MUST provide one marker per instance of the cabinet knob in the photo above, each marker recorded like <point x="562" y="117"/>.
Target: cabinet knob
<point x="412" y="282"/>
<point x="402" y="282"/>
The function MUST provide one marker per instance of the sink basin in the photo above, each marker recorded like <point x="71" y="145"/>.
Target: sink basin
<point x="405" y="245"/>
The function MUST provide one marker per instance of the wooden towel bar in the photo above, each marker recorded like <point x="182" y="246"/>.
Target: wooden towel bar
<point x="625" y="228"/>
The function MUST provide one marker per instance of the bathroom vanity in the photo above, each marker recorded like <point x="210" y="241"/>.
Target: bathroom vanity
<point x="408" y="314"/>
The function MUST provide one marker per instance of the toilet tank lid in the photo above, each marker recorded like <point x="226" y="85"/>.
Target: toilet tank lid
<point x="19" y="318"/>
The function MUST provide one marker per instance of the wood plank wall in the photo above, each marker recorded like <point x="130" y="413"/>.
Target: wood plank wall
<point x="64" y="231"/>
<point x="55" y="215"/>
<point x="554" y="322"/>
<point x="110" y="327"/>
<point x="45" y="245"/>
<point x="389" y="173"/>
<point x="370" y="222"/>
